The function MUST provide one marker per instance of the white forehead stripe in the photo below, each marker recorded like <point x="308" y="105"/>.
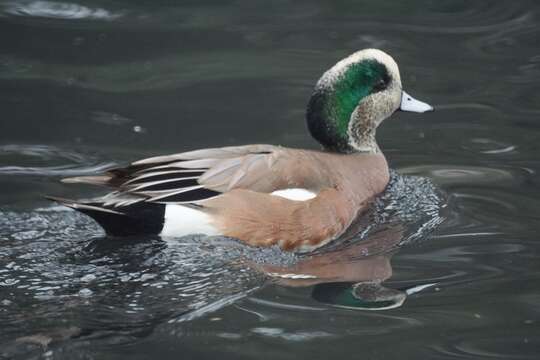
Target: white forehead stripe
<point x="328" y="78"/>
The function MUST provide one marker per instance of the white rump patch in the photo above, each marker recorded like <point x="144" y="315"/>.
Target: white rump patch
<point x="296" y="194"/>
<point x="183" y="220"/>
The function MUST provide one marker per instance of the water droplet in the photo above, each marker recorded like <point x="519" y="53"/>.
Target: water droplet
<point x="85" y="292"/>
<point x="6" y="302"/>
<point x="139" y="129"/>
<point x="88" y="278"/>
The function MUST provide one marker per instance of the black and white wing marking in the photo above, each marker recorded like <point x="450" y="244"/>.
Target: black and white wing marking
<point x="163" y="183"/>
<point x="181" y="178"/>
<point x="168" y="183"/>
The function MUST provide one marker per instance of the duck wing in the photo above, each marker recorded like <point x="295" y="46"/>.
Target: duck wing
<point x="198" y="175"/>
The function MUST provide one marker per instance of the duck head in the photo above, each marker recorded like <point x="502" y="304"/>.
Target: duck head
<point x="352" y="98"/>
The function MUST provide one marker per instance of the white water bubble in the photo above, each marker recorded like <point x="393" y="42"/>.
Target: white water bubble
<point x="88" y="278"/>
<point x="85" y="292"/>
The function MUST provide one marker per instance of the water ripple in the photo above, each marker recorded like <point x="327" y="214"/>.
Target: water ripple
<point x="515" y="344"/>
<point x="58" y="261"/>
<point x="69" y="163"/>
<point x="469" y="175"/>
<point x="472" y="106"/>
<point x="58" y="10"/>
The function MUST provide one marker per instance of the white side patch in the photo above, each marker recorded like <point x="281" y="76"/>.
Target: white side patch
<point x="182" y="220"/>
<point x="295" y="194"/>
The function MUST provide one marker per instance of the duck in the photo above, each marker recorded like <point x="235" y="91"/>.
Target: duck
<point x="267" y="195"/>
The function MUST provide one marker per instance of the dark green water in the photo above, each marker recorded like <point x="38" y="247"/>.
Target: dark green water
<point x="88" y="84"/>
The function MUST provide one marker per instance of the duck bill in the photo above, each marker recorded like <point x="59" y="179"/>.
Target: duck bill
<point x="408" y="103"/>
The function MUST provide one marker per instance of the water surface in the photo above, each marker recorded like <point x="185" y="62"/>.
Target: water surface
<point x="90" y="84"/>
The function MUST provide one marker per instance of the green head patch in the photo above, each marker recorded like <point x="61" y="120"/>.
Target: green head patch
<point x="337" y="95"/>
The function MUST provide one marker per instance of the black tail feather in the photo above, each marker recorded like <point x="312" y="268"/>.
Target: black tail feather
<point x="135" y="219"/>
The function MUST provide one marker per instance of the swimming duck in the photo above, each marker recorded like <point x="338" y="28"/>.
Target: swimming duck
<point x="268" y="195"/>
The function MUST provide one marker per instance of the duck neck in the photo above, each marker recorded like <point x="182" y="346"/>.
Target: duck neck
<point x="362" y="130"/>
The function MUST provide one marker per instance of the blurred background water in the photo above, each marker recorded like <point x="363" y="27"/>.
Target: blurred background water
<point x="85" y="85"/>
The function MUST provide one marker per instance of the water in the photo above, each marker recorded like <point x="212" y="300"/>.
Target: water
<point x="85" y="85"/>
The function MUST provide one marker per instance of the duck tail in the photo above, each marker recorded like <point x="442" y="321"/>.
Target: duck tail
<point x="141" y="218"/>
<point x="101" y="180"/>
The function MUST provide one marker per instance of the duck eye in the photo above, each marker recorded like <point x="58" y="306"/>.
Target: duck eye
<point x="379" y="85"/>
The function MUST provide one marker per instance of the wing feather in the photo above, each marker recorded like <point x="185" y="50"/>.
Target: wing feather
<point x="198" y="175"/>
<point x="217" y="153"/>
<point x="164" y="184"/>
<point x="164" y="175"/>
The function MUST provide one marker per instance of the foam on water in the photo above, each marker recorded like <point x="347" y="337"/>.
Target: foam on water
<point x="58" y="263"/>
<point x="58" y="10"/>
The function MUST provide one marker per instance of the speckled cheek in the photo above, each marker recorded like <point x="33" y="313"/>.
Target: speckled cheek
<point x="386" y="104"/>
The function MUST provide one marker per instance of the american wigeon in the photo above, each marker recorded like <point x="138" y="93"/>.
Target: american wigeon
<point x="264" y="194"/>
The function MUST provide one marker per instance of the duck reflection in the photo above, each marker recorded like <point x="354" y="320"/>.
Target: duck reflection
<point x="352" y="275"/>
